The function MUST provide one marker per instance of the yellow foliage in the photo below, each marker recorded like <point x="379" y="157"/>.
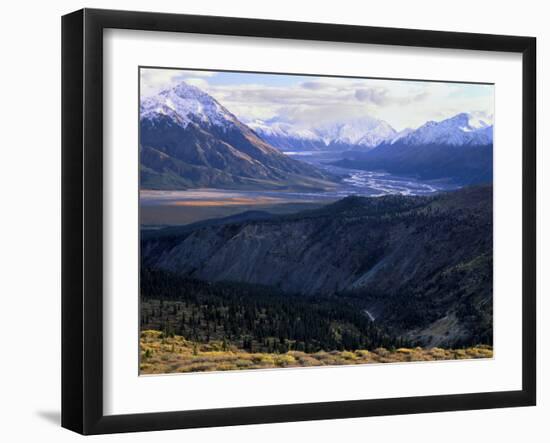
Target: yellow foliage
<point x="161" y="355"/>
<point x="348" y="355"/>
<point x="405" y="350"/>
<point x="284" y="360"/>
<point x="150" y="333"/>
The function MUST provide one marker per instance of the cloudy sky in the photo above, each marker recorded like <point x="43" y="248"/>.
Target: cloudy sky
<point x="310" y="100"/>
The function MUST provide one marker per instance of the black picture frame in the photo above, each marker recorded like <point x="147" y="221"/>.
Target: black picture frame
<point x="82" y="219"/>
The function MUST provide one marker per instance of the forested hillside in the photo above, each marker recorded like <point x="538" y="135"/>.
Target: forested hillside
<point x="420" y="266"/>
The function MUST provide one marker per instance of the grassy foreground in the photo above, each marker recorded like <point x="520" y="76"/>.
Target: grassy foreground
<point x="162" y="355"/>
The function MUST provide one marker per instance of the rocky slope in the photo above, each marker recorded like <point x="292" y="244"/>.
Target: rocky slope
<point x="188" y="139"/>
<point x="422" y="265"/>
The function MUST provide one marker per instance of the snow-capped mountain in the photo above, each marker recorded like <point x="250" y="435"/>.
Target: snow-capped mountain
<point x="188" y="139"/>
<point x="185" y="104"/>
<point x="459" y="149"/>
<point x="401" y="134"/>
<point x="281" y="128"/>
<point x="365" y="132"/>
<point x="286" y="136"/>
<point x="462" y="129"/>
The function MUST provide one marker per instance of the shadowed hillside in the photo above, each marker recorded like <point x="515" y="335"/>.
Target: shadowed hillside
<point x="421" y="266"/>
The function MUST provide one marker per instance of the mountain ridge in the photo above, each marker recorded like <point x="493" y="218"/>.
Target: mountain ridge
<point x="401" y="255"/>
<point x="457" y="149"/>
<point x="188" y="139"/>
<point x="459" y="130"/>
<point x="367" y="133"/>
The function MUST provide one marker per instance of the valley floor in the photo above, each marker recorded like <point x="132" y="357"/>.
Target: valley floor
<point x="162" y="355"/>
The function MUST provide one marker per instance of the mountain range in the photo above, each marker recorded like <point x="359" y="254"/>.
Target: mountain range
<point x="459" y="130"/>
<point x="367" y="133"/>
<point x="422" y="266"/>
<point x="358" y="133"/>
<point x="459" y="149"/>
<point x="188" y="139"/>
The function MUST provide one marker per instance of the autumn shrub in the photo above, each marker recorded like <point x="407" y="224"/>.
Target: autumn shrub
<point x="347" y="355"/>
<point x="284" y="360"/>
<point x="176" y="354"/>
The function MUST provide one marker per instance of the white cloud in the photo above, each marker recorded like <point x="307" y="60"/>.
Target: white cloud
<point x="309" y="101"/>
<point x="154" y="80"/>
<point x="198" y="82"/>
<point x="314" y="85"/>
<point x="376" y="96"/>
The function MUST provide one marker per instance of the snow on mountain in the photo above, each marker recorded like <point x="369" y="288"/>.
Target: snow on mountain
<point x="458" y="149"/>
<point x="381" y="132"/>
<point x="278" y="128"/>
<point x="184" y="104"/>
<point x="366" y="132"/>
<point x="462" y="129"/>
<point x="188" y="140"/>
<point x="401" y="134"/>
<point x="479" y="120"/>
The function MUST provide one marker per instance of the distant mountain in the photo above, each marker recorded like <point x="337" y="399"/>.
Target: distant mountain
<point x="188" y="139"/>
<point x="366" y="132"/>
<point x="459" y="149"/>
<point x="400" y="135"/>
<point x="460" y="130"/>
<point x="359" y="133"/>
<point x="422" y="266"/>
<point x="286" y="136"/>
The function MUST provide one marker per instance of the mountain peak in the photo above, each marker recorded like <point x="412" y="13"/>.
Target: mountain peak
<point x="187" y="91"/>
<point x="460" y="116"/>
<point x="460" y="129"/>
<point x="364" y="132"/>
<point x="185" y="103"/>
<point x="469" y="121"/>
<point x="460" y="119"/>
<point x="188" y="139"/>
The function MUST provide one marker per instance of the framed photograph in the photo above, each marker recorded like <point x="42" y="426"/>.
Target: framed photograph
<point x="270" y="221"/>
